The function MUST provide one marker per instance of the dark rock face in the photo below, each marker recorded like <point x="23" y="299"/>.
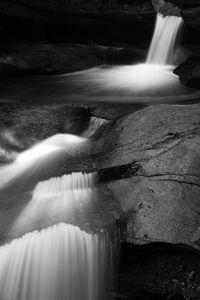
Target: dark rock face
<point x="78" y="21"/>
<point x="190" y="11"/>
<point x="22" y="126"/>
<point x="189" y="72"/>
<point x="58" y="9"/>
<point x="47" y="59"/>
<point x="185" y="3"/>
<point x="192" y="16"/>
<point x="166" y="8"/>
<point x="36" y="58"/>
<point x="166" y="271"/>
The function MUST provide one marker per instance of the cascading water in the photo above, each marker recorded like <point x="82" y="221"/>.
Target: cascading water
<point x="58" y="263"/>
<point x="150" y="81"/>
<point x="162" y="47"/>
<point x="154" y="75"/>
<point x="58" y="199"/>
<point x="41" y="154"/>
<point x="62" y="262"/>
<point x="94" y="124"/>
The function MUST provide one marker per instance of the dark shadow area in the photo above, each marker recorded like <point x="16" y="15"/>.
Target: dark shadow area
<point x="158" y="271"/>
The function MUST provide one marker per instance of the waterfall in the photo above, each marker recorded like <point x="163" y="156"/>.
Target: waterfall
<point x="163" y="43"/>
<point x="39" y="154"/>
<point x="60" y="262"/>
<point x="94" y="124"/>
<point x="59" y="199"/>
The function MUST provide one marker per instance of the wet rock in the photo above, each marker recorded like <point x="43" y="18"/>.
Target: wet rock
<point x="160" y="201"/>
<point x="166" y="8"/>
<point x="36" y="58"/>
<point x="189" y="72"/>
<point x="47" y="59"/>
<point x="22" y="125"/>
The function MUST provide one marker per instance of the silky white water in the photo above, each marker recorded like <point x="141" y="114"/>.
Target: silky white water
<point x="94" y="124"/>
<point x="162" y="47"/>
<point x="40" y="154"/>
<point x="58" y="263"/>
<point x="154" y="76"/>
<point x="151" y="81"/>
<point x="59" y="199"/>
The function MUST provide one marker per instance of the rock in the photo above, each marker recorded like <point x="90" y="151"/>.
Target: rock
<point x="166" y="8"/>
<point x="23" y="125"/>
<point x="185" y="3"/>
<point x="149" y="179"/>
<point x="189" y="72"/>
<point x="79" y="21"/>
<point x="163" y="270"/>
<point x="159" y="199"/>
<point x="56" y="11"/>
<point x="190" y="11"/>
<point x="36" y="58"/>
<point x="47" y="59"/>
<point x="192" y="16"/>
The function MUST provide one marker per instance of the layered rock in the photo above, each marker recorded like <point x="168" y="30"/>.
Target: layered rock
<point x="79" y="21"/>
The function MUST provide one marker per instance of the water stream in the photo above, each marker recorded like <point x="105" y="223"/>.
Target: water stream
<point x="60" y="261"/>
<point x="151" y="81"/>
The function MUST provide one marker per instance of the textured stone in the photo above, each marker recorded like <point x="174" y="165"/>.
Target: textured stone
<point x="189" y="72"/>
<point x="160" y="201"/>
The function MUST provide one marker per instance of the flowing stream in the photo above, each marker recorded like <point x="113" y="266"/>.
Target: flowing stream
<point x="152" y="81"/>
<point x="164" y="39"/>
<point x="61" y="262"/>
<point x="58" y="263"/>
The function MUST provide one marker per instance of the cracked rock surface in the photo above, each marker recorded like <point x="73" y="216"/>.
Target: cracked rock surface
<point x="160" y="200"/>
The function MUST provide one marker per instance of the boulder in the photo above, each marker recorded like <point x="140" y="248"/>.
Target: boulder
<point x="158" y="189"/>
<point x="189" y="72"/>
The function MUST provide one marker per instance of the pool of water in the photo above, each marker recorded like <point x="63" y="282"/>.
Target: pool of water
<point x="141" y="83"/>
